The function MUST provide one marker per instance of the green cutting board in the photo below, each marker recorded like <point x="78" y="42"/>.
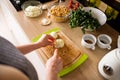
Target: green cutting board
<point x="72" y="67"/>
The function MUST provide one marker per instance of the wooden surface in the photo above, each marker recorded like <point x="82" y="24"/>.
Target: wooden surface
<point x="88" y="70"/>
<point x="69" y="53"/>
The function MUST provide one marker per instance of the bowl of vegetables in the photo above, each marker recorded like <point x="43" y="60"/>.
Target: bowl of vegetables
<point x="59" y="13"/>
<point x="32" y="8"/>
<point x="88" y="18"/>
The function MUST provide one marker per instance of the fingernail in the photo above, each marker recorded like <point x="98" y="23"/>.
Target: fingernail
<point x="51" y="39"/>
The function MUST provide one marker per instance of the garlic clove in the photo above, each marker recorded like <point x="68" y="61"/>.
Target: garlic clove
<point x="45" y="21"/>
<point x="54" y="34"/>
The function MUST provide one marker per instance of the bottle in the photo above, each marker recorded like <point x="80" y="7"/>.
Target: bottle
<point x="118" y="42"/>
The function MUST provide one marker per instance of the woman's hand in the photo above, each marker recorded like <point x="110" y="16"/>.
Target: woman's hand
<point x="42" y="42"/>
<point x="54" y="66"/>
<point x="45" y="40"/>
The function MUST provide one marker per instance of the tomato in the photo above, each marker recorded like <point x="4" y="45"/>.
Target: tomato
<point x="71" y="1"/>
<point x="70" y="4"/>
<point x="77" y="4"/>
<point x="75" y="8"/>
<point x="73" y="5"/>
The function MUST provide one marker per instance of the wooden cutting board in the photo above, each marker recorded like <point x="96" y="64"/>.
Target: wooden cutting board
<point x="69" y="53"/>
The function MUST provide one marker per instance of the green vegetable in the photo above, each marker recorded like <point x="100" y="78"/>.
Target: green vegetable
<point x="80" y="18"/>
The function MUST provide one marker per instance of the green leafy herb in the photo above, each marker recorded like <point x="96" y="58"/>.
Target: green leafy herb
<point x="80" y="18"/>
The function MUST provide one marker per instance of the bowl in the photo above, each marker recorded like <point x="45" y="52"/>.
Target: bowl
<point x="32" y="8"/>
<point x="59" y="13"/>
<point x="98" y="14"/>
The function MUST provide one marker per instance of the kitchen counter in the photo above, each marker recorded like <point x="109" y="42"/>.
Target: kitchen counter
<point x="88" y="70"/>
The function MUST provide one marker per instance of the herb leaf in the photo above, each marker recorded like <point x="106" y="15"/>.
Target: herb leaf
<point x="80" y="18"/>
